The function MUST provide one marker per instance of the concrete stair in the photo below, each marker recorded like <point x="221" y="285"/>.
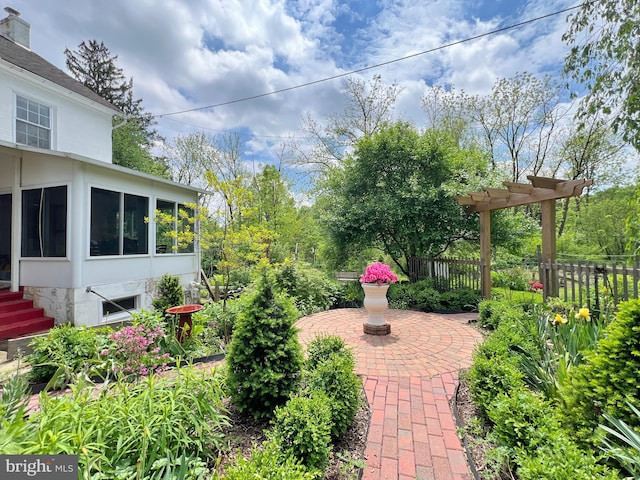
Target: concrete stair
<point x="18" y="316"/>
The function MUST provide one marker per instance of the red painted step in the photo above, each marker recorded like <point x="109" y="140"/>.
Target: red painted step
<point x="18" y="316"/>
<point x="14" y="305"/>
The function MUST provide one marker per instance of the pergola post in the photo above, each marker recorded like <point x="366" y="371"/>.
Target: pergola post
<point x="550" y="281"/>
<point x="485" y="253"/>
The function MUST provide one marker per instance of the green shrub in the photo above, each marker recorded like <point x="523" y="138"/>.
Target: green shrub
<point x="322" y="347"/>
<point x="169" y="293"/>
<point x="492" y="312"/>
<point x="562" y="460"/>
<point x="607" y="379"/>
<point x="302" y="429"/>
<point x="516" y="278"/>
<point x="523" y="420"/>
<point x="427" y="299"/>
<point x="265" y="357"/>
<point x="268" y="463"/>
<point x="490" y="377"/>
<point x="461" y="299"/>
<point x="512" y="338"/>
<point x="310" y="289"/>
<point x="335" y="378"/>
<point x="399" y="296"/>
<point x="65" y="349"/>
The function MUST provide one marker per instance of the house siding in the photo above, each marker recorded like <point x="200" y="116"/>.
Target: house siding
<point x="75" y="128"/>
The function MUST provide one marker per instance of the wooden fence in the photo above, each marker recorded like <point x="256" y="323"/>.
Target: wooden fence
<point x="588" y="284"/>
<point x="447" y="273"/>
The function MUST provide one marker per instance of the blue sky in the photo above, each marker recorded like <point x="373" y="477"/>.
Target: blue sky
<point x="189" y="54"/>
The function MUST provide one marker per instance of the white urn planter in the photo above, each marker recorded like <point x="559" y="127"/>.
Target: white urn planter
<point x="375" y="302"/>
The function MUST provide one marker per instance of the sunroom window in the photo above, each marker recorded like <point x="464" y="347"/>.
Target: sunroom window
<point x="118" y="223"/>
<point x="44" y="222"/>
<point x="174" y="227"/>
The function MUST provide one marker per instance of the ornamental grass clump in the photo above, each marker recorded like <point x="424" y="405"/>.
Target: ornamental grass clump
<point x="378" y="273"/>
<point x="135" y="350"/>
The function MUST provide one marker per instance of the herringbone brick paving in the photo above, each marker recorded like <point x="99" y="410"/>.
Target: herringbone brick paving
<point x="409" y="377"/>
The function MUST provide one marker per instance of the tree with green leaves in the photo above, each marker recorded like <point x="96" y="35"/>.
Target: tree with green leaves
<point x="93" y="65"/>
<point x="396" y="192"/>
<point x="604" y="36"/>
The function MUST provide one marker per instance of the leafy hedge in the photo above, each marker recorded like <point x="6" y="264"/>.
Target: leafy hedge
<point x="539" y="429"/>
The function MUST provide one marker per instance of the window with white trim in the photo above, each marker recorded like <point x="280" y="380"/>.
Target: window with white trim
<point x="174" y="227"/>
<point x="33" y="123"/>
<point x="118" y="223"/>
<point x="44" y="222"/>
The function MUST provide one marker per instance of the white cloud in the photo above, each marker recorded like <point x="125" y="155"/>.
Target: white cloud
<point x="186" y="55"/>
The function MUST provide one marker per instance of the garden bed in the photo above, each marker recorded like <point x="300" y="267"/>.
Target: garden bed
<point x="346" y="460"/>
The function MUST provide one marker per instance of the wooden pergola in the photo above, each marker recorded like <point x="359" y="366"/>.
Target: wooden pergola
<point x="542" y="190"/>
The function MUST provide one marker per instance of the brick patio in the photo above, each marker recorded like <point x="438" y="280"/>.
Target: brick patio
<point x="409" y="377"/>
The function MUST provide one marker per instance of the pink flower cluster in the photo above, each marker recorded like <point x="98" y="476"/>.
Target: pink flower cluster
<point x="135" y="350"/>
<point x="535" y="286"/>
<point x="378" y="273"/>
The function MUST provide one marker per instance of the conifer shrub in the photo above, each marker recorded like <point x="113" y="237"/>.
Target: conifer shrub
<point x="265" y="356"/>
<point x="169" y="293"/>
<point x="607" y="380"/>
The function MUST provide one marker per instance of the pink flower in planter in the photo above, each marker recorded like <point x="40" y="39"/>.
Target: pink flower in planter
<point x="378" y="273"/>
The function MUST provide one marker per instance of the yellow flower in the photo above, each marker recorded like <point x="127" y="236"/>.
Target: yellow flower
<point x="559" y="319"/>
<point x="583" y="313"/>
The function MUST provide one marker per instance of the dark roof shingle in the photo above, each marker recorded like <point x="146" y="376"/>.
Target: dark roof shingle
<point x="27" y="60"/>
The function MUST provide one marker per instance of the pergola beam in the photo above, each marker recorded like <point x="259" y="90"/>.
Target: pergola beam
<point x="541" y="190"/>
<point x="520" y="194"/>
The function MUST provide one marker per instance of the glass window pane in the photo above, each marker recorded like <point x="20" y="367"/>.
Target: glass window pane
<point x="186" y="221"/>
<point x="54" y="222"/>
<point x="136" y="228"/>
<point x="30" y="223"/>
<point x="165" y="218"/>
<point x="44" y="222"/>
<point x="21" y="102"/>
<point x="105" y="222"/>
<point x="21" y="132"/>
<point x="21" y="113"/>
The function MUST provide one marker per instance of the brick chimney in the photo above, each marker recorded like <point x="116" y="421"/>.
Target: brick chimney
<point x="15" y="28"/>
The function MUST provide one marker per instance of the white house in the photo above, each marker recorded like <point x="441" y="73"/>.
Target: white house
<point x="76" y="231"/>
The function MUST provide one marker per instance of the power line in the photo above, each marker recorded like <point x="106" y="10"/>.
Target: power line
<point x="364" y="69"/>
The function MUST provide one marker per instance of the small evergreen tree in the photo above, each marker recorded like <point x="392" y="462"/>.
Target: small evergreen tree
<point x="265" y="356"/>
<point x="170" y="293"/>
